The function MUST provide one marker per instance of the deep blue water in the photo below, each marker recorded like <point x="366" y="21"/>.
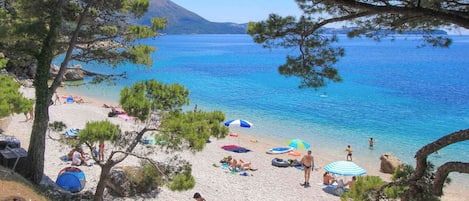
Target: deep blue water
<point x="401" y="95"/>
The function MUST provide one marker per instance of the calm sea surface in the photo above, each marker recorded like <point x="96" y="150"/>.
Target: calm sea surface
<point x="401" y="95"/>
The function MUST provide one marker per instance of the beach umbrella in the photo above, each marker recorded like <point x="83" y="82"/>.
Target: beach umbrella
<point x="298" y="144"/>
<point x="238" y="122"/>
<point x="344" y="168"/>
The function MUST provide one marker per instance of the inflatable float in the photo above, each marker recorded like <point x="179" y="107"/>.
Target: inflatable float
<point x="294" y="153"/>
<point x="278" y="162"/>
<point x="279" y="150"/>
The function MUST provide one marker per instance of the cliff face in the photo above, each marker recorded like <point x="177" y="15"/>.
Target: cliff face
<point x="183" y="21"/>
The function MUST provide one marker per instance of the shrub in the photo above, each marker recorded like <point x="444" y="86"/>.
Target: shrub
<point x="364" y="189"/>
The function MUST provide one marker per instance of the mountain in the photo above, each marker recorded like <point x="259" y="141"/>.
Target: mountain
<point x="183" y="21"/>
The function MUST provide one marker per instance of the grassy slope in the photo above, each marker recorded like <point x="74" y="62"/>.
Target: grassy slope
<point x="14" y="186"/>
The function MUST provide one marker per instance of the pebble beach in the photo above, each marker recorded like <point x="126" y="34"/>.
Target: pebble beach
<point x="212" y="181"/>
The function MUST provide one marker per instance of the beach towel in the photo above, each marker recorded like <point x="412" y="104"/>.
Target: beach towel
<point x="235" y="148"/>
<point x="125" y="117"/>
<point x="72" y="132"/>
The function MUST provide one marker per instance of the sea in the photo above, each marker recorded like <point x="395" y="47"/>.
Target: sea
<point x="402" y="94"/>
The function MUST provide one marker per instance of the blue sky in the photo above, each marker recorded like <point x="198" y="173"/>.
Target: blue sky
<point x="243" y="11"/>
<point x="239" y="11"/>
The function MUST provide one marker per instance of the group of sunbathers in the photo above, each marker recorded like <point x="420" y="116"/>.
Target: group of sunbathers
<point x="237" y="165"/>
<point x="329" y="179"/>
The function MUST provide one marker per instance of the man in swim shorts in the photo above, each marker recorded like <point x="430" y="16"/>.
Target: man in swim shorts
<point x="307" y="162"/>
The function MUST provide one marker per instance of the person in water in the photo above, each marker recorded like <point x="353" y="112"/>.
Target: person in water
<point x="308" y="163"/>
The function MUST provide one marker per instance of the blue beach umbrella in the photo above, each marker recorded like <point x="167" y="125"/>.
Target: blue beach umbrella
<point x="238" y="122"/>
<point x="298" y="144"/>
<point x="344" y="168"/>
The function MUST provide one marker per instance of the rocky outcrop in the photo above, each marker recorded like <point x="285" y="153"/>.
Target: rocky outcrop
<point x="73" y="73"/>
<point x="389" y="163"/>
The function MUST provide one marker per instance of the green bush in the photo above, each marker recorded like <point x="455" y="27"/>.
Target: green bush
<point x="143" y="179"/>
<point x="364" y="189"/>
<point x="182" y="181"/>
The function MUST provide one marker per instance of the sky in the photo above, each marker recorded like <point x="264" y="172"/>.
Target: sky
<point x="243" y="11"/>
<point x="239" y="11"/>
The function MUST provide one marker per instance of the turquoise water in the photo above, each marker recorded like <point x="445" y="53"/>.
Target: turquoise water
<point x="401" y="95"/>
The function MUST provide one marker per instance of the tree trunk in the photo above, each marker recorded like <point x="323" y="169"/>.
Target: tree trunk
<point x="35" y="168"/>
<point x="421" y="164"/>
<point x="105" y="172"/>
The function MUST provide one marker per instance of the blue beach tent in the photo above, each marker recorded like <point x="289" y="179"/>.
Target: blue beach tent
<point x="71" y="179"/>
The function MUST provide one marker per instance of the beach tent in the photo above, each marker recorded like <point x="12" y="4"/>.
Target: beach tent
<point x="71" y="179"/>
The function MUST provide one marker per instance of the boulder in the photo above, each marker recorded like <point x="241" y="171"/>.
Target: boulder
<point x="73" y="73"/>
<point x="389" y="163"/>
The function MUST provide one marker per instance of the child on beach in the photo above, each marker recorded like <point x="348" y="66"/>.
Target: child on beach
<point x="101" y="150"/>
<point x="349" y="152"/>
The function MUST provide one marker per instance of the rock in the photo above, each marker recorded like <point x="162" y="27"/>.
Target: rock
<point x="119" y="184"/>
<point x="73" y="73"/>
<point x="389" y="163"/>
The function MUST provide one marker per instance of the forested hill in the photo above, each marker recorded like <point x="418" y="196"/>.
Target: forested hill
<point x="182" y="21"/>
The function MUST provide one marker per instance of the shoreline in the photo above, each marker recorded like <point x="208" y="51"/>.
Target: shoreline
<point x="211" y="182"/>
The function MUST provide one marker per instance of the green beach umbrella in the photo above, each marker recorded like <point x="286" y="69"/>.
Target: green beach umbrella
<point x="298" y="144"/>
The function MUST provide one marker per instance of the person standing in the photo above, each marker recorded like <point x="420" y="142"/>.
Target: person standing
<point x="308" y="163"/>
<point x="101" y="151"/>
<point x="56" y="99"/>
<point x="372" y="141"/>
<point x="349" y="152"/>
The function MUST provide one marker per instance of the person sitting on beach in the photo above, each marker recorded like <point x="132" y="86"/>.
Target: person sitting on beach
<point x="78" y="158"/>
<point x="328" y="179"/>
<point x="351" y="182"/>
<point x="226" y="160"/>
<point x="114" y="112"/>
<point x="245" y="165"/>
<point x="78" y="99"/>
<point x="234" y="164"/>
<point x="70" y="154"/>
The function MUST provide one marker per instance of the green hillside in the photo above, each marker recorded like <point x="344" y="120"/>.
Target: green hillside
<point x="182" y="21"/>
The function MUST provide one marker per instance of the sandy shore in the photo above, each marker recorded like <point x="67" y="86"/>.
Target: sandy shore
<point x="267" y="183"/>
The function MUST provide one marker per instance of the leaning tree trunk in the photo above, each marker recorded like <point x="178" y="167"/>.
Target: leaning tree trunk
<point x="105" y="172"/>
<point x="443" y="171"/>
